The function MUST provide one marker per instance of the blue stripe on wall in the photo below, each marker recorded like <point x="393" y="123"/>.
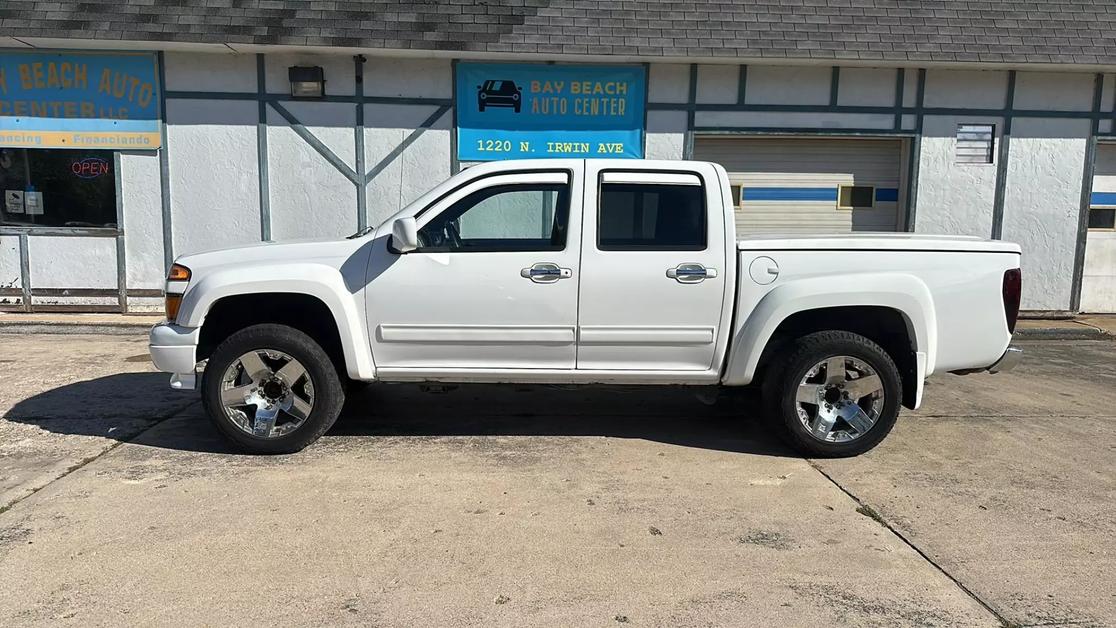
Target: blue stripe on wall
<point x="887" y="195"/>
<point x="790" y="194"/>
<point x="1103" y="198"/>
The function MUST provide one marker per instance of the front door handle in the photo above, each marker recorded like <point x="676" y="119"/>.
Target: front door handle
<point x="691" y="272"/>
<point x="545" y="272"/>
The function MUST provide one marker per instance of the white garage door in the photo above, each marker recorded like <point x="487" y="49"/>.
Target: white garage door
<point x="1098" y="285"/>
<point x="815" y="185"/>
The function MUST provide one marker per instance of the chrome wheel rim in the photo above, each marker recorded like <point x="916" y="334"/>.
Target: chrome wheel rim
<point x="840" y="399"/>
<point x="267" y="393"/>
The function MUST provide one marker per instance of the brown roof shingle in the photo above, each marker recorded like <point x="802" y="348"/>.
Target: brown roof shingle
<point x="1004" y="31"/>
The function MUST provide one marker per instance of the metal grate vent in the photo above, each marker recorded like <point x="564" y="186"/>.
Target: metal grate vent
<point x="975" y="143"/>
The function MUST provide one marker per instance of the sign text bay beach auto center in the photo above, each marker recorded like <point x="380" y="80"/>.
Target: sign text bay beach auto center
<point x="510" y="111"/>
<point x="590" y="98"/>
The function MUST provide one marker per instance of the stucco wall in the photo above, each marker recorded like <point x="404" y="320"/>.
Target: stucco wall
<point x="9" y="267"/>
<point x="409" y="78"/>
<point x="977" y="89"/>
<point x="1054" y="91"/>
<point x="872" y="87"/>
<point x="66" y="262"/>
<point x="1042" y="204"/>
<point x="143" y="219"/>
<point x="210" y="72"/>
<point x="666" y="134"/>
<point x="308" y="197"/>
<point x="214" y="181"/>
<point x="788" y="85"/>
<point x="794" y="120"/>
<point x="422" y="164"/>
<point x="668" y="83"/>
<point x="953" y="198"/>
<point x="717" y="84"/>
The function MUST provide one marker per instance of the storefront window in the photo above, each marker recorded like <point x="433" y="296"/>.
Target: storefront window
<point x="57" y="188"/>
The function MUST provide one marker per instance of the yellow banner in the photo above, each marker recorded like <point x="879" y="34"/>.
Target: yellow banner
<point x="78" y="139"/>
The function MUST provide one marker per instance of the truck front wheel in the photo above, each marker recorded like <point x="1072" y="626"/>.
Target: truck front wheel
<point x="835" y="394"/>
<point x="271" y="389"/>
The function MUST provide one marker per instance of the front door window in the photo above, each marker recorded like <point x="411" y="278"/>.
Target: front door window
<point x="519" y="217"/>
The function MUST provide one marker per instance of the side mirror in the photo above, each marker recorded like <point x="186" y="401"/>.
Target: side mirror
<point x="404" y="234"/>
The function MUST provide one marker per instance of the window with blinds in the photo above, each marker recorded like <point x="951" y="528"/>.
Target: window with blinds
<point x="975" y="143"/>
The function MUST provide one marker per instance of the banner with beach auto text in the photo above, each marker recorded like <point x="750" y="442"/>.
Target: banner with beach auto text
<point x="79" y="99"/>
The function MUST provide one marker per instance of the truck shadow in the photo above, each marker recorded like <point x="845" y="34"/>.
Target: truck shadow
<point x="139" y="408"/>
<point x="668" y="415"/>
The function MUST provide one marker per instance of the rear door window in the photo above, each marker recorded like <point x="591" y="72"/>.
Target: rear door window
<point x="654" y="217"/>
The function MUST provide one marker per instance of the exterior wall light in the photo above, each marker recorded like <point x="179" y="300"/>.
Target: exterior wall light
<point x="306" y="81"/>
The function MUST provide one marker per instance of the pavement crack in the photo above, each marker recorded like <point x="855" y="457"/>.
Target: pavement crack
<point x="74" y="467"/>
<point x="872" y="513"/>
<point x="88" y="459"/>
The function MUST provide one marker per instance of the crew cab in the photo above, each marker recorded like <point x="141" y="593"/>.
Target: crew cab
<point x="587" y="272"/>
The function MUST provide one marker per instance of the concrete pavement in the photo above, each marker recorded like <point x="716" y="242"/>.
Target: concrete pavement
<point x="538" y="506"/>
<point x="1009" y="483"/>
<point x="67" y="399"/>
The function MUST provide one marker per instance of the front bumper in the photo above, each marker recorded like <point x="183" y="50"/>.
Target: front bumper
<point x="1007" y="361"/>
<point x="174" y="350"/>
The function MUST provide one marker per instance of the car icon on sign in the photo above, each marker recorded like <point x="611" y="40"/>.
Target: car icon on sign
<point x="499" y="94"/>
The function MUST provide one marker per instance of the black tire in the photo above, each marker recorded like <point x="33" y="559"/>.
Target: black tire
<point x="329" y="394"/>
<point x="780" y="388"/>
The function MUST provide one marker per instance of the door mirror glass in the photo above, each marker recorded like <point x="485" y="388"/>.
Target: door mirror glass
<point x="404" y="234"/>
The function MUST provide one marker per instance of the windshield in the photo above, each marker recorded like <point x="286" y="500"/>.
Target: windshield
<point x="499" y="87"/>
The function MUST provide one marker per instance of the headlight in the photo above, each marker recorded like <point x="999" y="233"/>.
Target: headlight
<point x="177" y="278"/>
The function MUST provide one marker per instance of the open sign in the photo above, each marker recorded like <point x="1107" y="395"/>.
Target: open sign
<point x="90" y="167"/>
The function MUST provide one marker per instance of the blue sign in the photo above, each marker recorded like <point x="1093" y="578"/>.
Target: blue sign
<point x="79" y="100"/>
<point x="520" y="111"/>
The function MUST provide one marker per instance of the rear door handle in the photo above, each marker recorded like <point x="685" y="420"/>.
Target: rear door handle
<point x="691" y="272"/>
<point x="545" y="272"/>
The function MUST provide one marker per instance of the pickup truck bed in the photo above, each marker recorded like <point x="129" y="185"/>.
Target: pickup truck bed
<point x="949" y="289"/>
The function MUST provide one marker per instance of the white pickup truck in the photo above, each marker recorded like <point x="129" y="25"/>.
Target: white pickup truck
<point x="587" y="272"/>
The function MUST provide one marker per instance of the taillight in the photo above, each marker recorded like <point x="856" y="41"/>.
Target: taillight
<point x="1013" y="290"/>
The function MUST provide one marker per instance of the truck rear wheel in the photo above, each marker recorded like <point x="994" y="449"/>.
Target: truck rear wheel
<point x="835" y="394"/>
<point x="271" y="389"/>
